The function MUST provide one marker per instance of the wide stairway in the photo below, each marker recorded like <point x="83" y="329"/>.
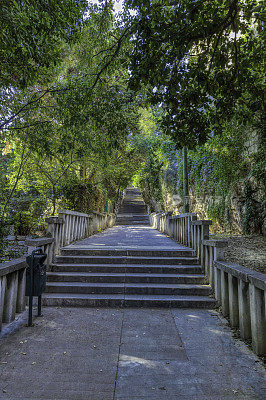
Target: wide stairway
<point x="129" y="265"/>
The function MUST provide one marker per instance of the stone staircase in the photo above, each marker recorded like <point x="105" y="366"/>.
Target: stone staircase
<point x="133" y="210"/>
<point x="141" y="275"/>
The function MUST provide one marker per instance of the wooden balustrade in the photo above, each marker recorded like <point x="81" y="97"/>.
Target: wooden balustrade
<point x="12" y="289"/>
<point x="67" y="227"/>
<point x="239" y="291"/>
<point x="13" y="280"/>
<point x="241" y="294"/>
<point x="213" y="250"/>
<point x="71" y="226"/>
<point x="200" y="233"/>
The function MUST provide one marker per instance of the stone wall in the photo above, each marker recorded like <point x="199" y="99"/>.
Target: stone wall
<point x="244" y="207"/>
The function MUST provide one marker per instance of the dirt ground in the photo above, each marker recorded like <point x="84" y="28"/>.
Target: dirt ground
<point x="248" y="251"/>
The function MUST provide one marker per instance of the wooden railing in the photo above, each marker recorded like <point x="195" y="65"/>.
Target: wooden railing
<point x="12" y="289"/>
<point x="70" y="226"/>
<point x="66" y="228"/>
<point x="239" y="291"/>
<point x="241" y="294"/>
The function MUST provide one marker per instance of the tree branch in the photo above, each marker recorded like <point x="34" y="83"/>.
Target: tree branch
<point x="19" y="175"/>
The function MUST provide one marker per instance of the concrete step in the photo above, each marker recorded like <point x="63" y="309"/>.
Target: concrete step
<point x="132" y="218"/>
<point x="127" y="268"/>
<point x="132" y="215"/>
<point x="126" y="260"/>
<point x="138" y="252"/>
<point x="137" y="210"/>
<point x="122" y="277"/>
<point x="133" y="209"/>
<point x="128" y="288"/>
<point x="127" y="300"/>
<point x="130" y="223"/>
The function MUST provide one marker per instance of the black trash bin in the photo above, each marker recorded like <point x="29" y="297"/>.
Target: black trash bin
<point x="35" y="279"/>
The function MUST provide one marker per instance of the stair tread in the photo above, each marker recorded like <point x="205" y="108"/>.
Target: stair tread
<point x="132" y="257"/>
<point x="133" y="285"/>
<point x="129" y="296"/>
<point x="176" y="247"/>
<point x="135" y="274"/>
<point x="166" y="266"/>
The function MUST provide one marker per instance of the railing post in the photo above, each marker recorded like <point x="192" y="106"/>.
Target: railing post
<point x="217" y="285"/>
<point x="204" y="236"/>
<point x="21" y="299"/>
<point x="244" y="309"/>
<point x="62" y="215"/>
<point x="194" y="238"/>
<point x="233" y="300"/>
<point x="192" y="217"/>
<point x="2" y="298"/>
<point x="10" y="300"/>
<point x="67" y="230"/>
<point x="257" y="314"/>
<point x="207" y="261"/>
<point x="224" y="293"/>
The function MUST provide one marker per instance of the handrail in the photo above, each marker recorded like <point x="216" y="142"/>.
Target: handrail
<point x="69" y="212"/>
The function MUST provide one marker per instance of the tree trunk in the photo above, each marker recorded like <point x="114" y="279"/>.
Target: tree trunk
<point x="185" y="181"/>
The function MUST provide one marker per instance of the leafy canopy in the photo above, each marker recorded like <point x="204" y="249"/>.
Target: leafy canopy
<point x="203" y="61"/>
<point x="32" y="37"/>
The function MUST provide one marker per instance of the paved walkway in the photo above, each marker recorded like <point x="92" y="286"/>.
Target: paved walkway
<point x="129" y="236"/>
<point x="128" y="354"/>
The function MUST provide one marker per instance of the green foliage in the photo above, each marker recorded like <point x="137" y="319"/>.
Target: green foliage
<point x="3" y="234"/>
<point x="32" y="37"/>
<point x="201" y="59"/>
<point x="23" y="223"/>
<point x="91" y="104"/>
<point x="82" y="195"/>
<point x="69" y="141"/>
<point x="213" y="166"/>
<point x="157" y="152"/>
<point x="217" y="171"/>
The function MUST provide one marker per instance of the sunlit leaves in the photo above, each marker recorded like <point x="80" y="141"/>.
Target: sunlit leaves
<point x="32" y="37"/>
<point x="202" y="58"/>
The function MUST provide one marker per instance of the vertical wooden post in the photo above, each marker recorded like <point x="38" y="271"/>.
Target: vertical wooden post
<point x="217" y="284"/>
<point x="21" y="299"/>
<point x="233" y="300"/>
<point x="10" y="301"/>
<point x="2" y="298"/>
<point x="224" y="293"/>
<point x="244" y="309"/>
<point x="258" y="324"/>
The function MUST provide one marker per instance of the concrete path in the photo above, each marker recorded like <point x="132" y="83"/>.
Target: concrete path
<point x="129" y="236"/>
<point x="128" y="354"/>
